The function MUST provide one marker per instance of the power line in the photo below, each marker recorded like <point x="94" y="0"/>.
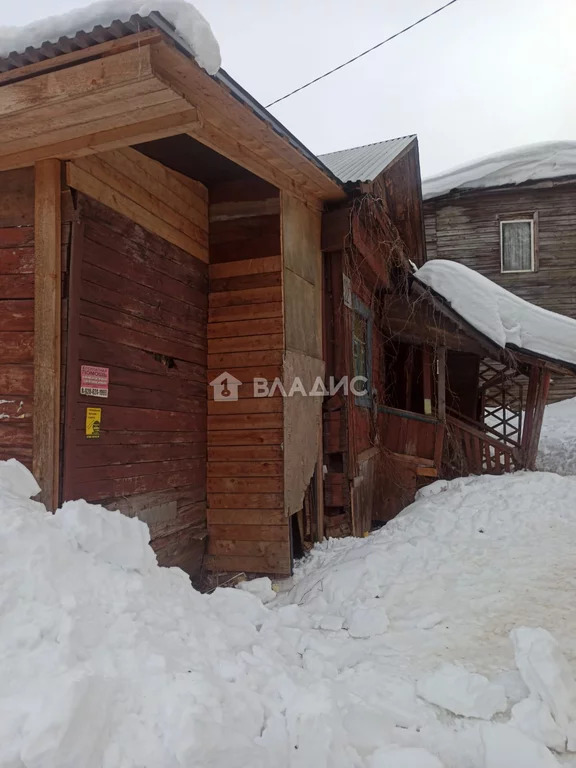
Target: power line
<point x="359" y="56"/>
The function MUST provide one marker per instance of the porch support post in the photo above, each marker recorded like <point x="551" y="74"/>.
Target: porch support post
<point x="47" y="329"/>
<point x="541" y="399"/>
<point x="531" y="396"/>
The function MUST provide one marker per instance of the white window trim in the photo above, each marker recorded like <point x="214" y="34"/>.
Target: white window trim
<point x="532" y="260"/>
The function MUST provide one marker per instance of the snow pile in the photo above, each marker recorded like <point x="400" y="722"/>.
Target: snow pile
<point x="548" y="676"/>
<point x="463" y="693"/>
<point x="534" y="162"/>
<point x="498" y="314"/>
<point x="189" y="23"/>
<point x="108" y="661"/>
<point x="557" y="447"/>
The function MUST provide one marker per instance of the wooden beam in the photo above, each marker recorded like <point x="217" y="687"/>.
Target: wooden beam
<point x="427" y="380"/>
<point x="102" y="141"/>
<point x="533" y="382"/>
<point x="441" y="363"/>
<point x="68" y="59"/>
<point x="244" y="209"/>
<point x="94" y="106"/>
<point x="88" y="79"/>
<point x="47" y="329"/>
<point x="541" y="400"/>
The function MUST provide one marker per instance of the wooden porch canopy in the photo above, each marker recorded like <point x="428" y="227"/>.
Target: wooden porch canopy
<point x="504" y="434"/>
<point x="468" y="335"/>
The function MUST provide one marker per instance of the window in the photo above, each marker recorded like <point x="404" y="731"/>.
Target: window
<point x="517" y="245"/>
<point x="362" y="348"/>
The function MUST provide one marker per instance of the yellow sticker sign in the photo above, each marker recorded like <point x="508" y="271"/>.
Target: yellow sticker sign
<point x="93" y="418"/>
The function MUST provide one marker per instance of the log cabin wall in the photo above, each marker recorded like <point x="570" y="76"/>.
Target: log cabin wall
<point x="248" y="530"/>
<point x="465" y="228"/>
<point x="138" y="306"/>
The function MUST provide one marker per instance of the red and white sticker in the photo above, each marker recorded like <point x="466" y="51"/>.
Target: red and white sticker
<point x="94" y="381"/>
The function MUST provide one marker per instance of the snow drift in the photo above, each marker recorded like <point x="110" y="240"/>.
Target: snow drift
<point x="557" y="446"/>
<point x="108" y="661"/>
<point x="500" y="315"/>
<point x="189" y="23"/>
<point x="534" y="162"/>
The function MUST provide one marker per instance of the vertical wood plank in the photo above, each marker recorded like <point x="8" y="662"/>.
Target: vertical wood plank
<point x="72" y="358"/>
<point x="47" y="329"/>
<point x="541" y="400"/>
<point x="526" y="437"/>
<point x="441" y="362"/>
<point x="427" y="380"/>
<point x="320" y="487"/>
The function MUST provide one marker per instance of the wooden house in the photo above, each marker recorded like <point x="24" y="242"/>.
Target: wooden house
<point x="443" y="399"/>
<point x="165" y="243"/>
<point x="512" y="217"/>
<point x="158" y="228"/>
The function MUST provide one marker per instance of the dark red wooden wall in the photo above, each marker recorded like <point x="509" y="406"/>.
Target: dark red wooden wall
<point x="138" y="306"/>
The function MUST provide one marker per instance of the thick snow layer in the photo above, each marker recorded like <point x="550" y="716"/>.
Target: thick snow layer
<point x="499" y="314"/>
<point x="534" y="162"/>
<point x="189" y="23"/>
<point x="557" y="447"/>
<point x="113" y="663"/>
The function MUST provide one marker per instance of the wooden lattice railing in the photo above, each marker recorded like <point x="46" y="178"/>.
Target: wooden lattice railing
<point x="469" y="450"/>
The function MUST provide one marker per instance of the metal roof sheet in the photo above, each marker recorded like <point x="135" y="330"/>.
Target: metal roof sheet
<point x="365" y="163"/>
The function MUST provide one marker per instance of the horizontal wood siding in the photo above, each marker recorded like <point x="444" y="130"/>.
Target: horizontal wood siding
<point x="467" y="229"/>
<point x="138" y="306"/>
<point x="16" y="314"/>
<point x="247" y="527"/>
<point x="160" y="200"/>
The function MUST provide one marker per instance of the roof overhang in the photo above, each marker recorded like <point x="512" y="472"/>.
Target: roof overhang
<point x="134" y="82"/>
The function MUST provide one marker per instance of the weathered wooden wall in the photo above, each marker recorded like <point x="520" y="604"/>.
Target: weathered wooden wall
<point x="16" y="314"/>
<point x="248" y="530"/>
<point x="400" y="186"/>
<point x="160" y="200"/>
<point x="138" y="306"/>
<point x="466" y="229"/>
<point x="17" y="264"/>
<point x="302" y="263"/>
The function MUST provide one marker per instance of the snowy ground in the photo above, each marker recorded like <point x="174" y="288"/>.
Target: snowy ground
<point x="393" y="651"/>
<point x="557" y="449"/>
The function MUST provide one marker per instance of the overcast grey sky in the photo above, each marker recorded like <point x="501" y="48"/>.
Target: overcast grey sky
<point x="481" y="76"/>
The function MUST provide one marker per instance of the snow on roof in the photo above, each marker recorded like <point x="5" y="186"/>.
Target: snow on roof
<point x="366" y="162"/>
<point x="533" y="162"/>
<point x="499" y="314"/>
<point x="188" y="22"/>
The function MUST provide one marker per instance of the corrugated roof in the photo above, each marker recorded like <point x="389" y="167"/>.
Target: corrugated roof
<point x="365" y="163"/>
<point x="136" y="23"/>
<point x="81" y="40"/>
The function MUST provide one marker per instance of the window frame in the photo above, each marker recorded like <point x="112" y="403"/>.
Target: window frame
<point x="359" y="308"/>
<point x="520" y="218"/>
